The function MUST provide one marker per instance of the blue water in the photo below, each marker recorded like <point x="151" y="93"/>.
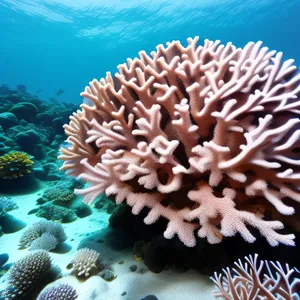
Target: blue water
<point x="49" y="45"/>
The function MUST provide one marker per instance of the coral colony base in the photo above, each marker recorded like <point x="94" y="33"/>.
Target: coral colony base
<point x="204" y="136"/>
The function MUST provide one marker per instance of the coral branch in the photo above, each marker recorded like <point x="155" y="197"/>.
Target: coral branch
<point x="200" y="135"/>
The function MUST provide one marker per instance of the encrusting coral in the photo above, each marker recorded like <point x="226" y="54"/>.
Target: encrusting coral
<point x="58" y="194"/>
<point x="57" y="213"/>
<point x="46" y="241"/>
<point x="35" y="238"/>
<point x="15" y="164"/>
<point x="257" y="280"/>
<point x="206" y="136"/>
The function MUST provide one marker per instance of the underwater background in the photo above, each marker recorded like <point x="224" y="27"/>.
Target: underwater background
<point x="66" y="231"/>
<point x="63" y="44"/>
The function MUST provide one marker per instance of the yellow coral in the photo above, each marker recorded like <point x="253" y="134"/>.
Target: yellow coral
<point x="15" y="164"/>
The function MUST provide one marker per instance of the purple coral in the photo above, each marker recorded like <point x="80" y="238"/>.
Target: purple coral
<point x="204" y="136"/>
<point x="60" y="292"/>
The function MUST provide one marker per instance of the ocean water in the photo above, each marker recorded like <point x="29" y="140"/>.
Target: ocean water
<point x="125" y="199"/>
<point x="63" y="44"/>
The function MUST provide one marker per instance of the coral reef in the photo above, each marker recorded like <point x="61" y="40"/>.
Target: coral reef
<point x="46" y="241"/>
<point x="26" y="273"/>
<point x="31" y="125"/>
<point x="6" y="205"/>
<point x="58" y="194"/>
<point x="205" y="136"/>
<point x="57" y="213"/>
<point x="15" y="164"/>
<point x="8" y="224"/>
<point x="85" y="263"/>
<point x="60" y="292"/>
<point x="24" y="110"/>
<point x="258" y="280"/>
<point x="35" y="237"/>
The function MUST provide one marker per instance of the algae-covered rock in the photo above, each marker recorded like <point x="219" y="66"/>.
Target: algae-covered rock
<point x="57" y="213"/>
<point x="7" y="120"/>
<point x="24" y="110"/>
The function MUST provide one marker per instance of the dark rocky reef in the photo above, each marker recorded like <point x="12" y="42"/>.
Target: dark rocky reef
<point x="159" y="253"/>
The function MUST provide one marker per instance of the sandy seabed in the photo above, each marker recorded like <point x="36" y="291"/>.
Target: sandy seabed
<point x="168" y="285"/>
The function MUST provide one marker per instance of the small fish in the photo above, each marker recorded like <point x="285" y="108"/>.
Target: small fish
<point x="59" y="92"/>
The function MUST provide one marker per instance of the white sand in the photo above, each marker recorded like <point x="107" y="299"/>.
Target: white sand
<point x="168" y="285"/>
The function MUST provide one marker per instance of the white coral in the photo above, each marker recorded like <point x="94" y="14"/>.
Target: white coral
<point x="85" y="262"/>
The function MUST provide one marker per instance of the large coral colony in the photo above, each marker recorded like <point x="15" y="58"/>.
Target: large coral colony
<point x="205" y="136"/>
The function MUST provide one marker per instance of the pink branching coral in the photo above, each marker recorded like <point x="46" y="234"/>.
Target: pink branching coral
<point x="204" y="136"/>
<point x="258" y="280"/>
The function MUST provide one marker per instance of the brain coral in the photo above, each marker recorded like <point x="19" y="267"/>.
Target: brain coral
<point x="206" y="136"/>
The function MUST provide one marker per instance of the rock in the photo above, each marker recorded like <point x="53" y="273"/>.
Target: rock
<point x="24" y="110"/>
<point x="52" y="172"/>
<point x="38" y="171"/>
<point x="4" y="149"/>
<point x="83" y="210"/>
<point x="44" y="118"/>
<point x="150" y="297"/>
<point x="133" y="268"/>
<point x="107" y="275"/>
<point x="56" y="213"/>
<point x="3" y="259"/>
<point x="26" y="138"/>
<point x="7" y="120"/>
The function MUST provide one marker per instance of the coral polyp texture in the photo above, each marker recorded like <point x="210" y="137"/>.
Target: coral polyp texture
<point x="25" y="274"/>
<point x="85" y="262"/>
<point x="60" y="292"/>
<point x="206" y="136"/>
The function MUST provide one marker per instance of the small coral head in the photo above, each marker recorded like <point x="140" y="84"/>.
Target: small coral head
<point x="201" y="135"/>
<point x="15" y="164"/>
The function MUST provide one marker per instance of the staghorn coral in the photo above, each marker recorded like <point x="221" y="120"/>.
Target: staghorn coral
<point x="85" y="262"/>
<point x="206" y="136"/>
<point x="15" y="164"/>
<point x="26" y="273"/>
<point x="38" y="229"/>
<point x="60" y="292"/>
<point x="257" y="280"/>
